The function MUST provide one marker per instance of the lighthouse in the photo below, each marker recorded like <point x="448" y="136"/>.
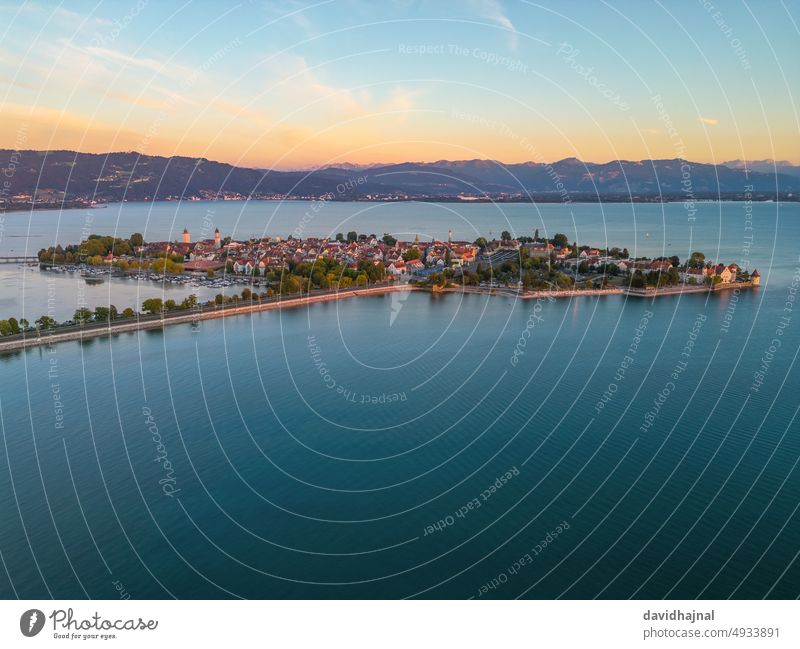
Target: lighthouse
<point x="755" y="277"/>
<point x="187" y="238"/>
<point x="217" y="239"/>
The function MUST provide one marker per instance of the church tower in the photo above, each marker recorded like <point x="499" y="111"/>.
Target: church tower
<point x="449" y="236"/>
<point x="217" y="239"/>
<point x="187" y="238"/>
<point x="755" y="278"/>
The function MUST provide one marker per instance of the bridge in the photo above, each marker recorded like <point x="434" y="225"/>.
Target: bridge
<point x="19" y="260"/>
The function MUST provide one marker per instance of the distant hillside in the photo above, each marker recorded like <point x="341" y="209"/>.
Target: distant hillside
<point x="766" y="166"/>
<point x="68" y="176"/>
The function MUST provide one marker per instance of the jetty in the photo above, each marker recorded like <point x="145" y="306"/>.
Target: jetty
<point x="687" y="288"/>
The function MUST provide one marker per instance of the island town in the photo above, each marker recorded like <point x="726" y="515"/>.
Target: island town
<point x="273" y="272"/>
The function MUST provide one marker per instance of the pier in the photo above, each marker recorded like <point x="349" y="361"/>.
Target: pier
<point x="19" y="260"/>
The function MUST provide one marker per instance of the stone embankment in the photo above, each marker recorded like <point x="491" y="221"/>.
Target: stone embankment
<point x="53" y="336"/>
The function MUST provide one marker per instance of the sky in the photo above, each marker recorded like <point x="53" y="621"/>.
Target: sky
<point x="291" y="85"/>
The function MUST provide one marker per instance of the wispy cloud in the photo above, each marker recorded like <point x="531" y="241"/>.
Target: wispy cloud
<point x="709" y="121"/>
<point x="493" y="11"/>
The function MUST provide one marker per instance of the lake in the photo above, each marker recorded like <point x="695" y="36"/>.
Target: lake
<point x="416" y="445"/>
<point x="731" y="232"/>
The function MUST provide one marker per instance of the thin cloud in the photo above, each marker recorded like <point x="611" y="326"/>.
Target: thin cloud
<point x="709" y="121"/>
<point x="492" y="10"/>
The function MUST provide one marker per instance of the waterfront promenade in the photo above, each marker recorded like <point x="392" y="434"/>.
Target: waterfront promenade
<point x="686" y="288"/>
<point x="144" y="322"/>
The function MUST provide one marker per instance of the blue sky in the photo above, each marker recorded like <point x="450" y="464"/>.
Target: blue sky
<point x="291" y="84"/>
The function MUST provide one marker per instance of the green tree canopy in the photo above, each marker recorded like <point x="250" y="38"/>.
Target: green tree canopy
<point x="82" y="315"/>
<point x="153" y="305"/>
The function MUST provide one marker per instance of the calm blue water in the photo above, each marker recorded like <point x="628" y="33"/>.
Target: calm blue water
<point x="646" y="229"/>
<point x="325" y="452"/>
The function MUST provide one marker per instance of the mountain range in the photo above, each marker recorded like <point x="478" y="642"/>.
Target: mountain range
<point x="83" y="177"/>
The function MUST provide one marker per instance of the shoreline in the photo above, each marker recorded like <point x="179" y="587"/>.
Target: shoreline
<point x="656" y="200"/>
<point x="143" y="323"/>
<point x="53" y="336"/>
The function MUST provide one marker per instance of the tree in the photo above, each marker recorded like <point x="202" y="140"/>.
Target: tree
<point x="411" y="253"/>
<point x="102" y="314"/>
<point x="219" y="298"/>
<point x="247" y="294"/>
<point x="560" y="240"/>
<point x="128" y="313"/>
<point x="45" y="322"/>
<point x="170" y="305"/>
<point x="505" y="235"/>
<point x="290" y="284"/>
<point x="480" y="242"/>
<point x="165" y="265"/>
<point x="352" y="235"/>
<point x="24" y="323"/>
<point x="339" y="236"/>
<point x="696" y="260"/>
<point x="153" y="305"/>
<point x="82" y="315"/>
<point x="189" y="302"/>
<point x="388" y="239"/>
<point x="210" y="273"/>
<point x="637" y="279"/>
<point x="5" y="328"/>
<point x="12" y="322"/>
<point x="136" y="240"/>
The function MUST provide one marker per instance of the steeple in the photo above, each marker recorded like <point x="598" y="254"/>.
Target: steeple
<point x="217" y="239"/>
<point x="187" y="238"/>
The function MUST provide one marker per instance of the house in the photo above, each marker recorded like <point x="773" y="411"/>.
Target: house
<point x="539" y="249"/>
<point x="243" y="266"/>
<point x="698" y="274"/>
<point x="721" y="271"/>
<point x="396" y="269"/>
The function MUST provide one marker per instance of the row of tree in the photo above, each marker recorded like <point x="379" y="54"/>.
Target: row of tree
<point x="93" y="248"/>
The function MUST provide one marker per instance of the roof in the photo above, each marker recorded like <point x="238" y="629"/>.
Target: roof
<point x="203" y="264"/>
